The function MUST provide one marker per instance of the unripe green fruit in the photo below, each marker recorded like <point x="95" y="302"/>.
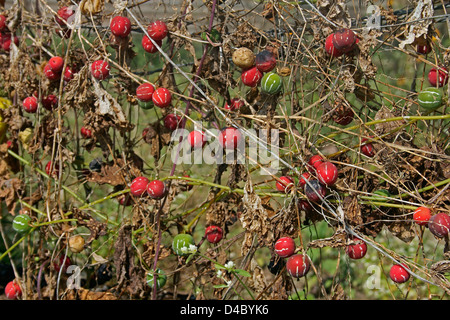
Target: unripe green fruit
<point x="21" y="223"/>
<point x="430" y="98"/>
<point x="271" y="83"/>
<point x="145" y="104"/>
<point x="181" y="243"/>
<point x="161" y="278"/>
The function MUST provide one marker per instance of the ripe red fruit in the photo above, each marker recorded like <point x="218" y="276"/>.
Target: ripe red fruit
<point x="12" y="290"/>
<point x="125" y="200"/>
<point x="56" y="63"/>
<point x="30" y="104"/>
<point x="284" y="247"/>
<point x="49" y="102"/>
<point x="148" y="45"/>
<point x="2" y="22"/>
<point x="399" y="273"/>
<point x="6" y="44"/>
<point x="120" y="26"/>
<point x="304" y="177"/>
<point x="52" y="169"/>
<point x="100" y="69"/>
<point x="285" y="183"/>
<point x="315" y="161"/>
<point x="423" y="48"/>
<point x="162" y="97"/>
<point x="438" y="78"/>
<point x="357" y="250"/>
<point x="367" y="148"/>
<point x="439" y="225"/>
<point x="68" y="73"/>
<point x="157" y="30"/>
<point x="86" y="133"/>
<point x="329" y="47"/>
<point x="327" y="173"/>
<point x="139" y="186"/>
<point x="251" y="77"/>
<point x="145" y="92"/>
<point x="344" y="40"/>
<point x="62" y="263"/>
<point x="265" y="61"/>
<point x="172" y="121"/>
<point x="298" y="265"/>
<point x="196" y="139"/>
<point x="422" y="215"/>
<point x="156" y="189"/>
<point x="304" y="205"/>
<point x="214" y="234"/>
<point x="230" y="138"/>
<point x="63" y="14"/>
<point x="50" y="74"/>
<point x="234" y="104"/>
<point x="315" y="191"/>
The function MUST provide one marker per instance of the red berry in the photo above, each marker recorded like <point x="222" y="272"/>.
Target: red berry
<point x="439" y="225"/>
<point x="213" y="234"/>
<point x="304" y="177"/>
<point x="438" y="78"/>
<point x="2" y="22"/>
<point x="50" y="74"/>
<point x="230" y="138"/>
<point x="139" y="186"/>
<point x="315" y="161"/>
<point x="265" y="61"/>
<point x="329" y="47"/>
<point x="86" y="133"/>
<point x="285" y="183"/>
<point x="234" y="104"/>
<point x="30" y="104"/>
<point x="357" y="250"/>
<point x="68" y="73"/>
<point x="12" y="290"/>
<point x="125" y="200"/>
<point x="148" y="45"/>
<point x="422" y="215"/>
<point x="49" y="102"/>
<point x="145" y="92"/>
<point x="157" y="30"/>
<point x="196" y="139"/>
<point x="298" y="265"/>
<point x="367" y="148"/>
<point x="399" y="273"/>
<point x="162" y="97"/>
<point x="63" y="14"/>
<point x="304" y="205"/>
<point x="284" y="247"/>
<point x="100" y="69"/>
<point x="156" y="189"/>
<point x="423" y="48"/>
<point x="120" y="26"/>
<point x="172" y="121"/>
<point x="56" y="64"/>
<point x="315" y="191"/>
<point x="251" y="77"/>
<point x="62" y="263"/>
<point x="344" y="40"/>
<point x="52" y="169"/>
<point x="327" y="173"/>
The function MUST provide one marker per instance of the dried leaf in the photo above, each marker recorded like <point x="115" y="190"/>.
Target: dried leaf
<point x="420" y="22"/>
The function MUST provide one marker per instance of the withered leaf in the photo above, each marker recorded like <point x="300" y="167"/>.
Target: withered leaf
<point x="337" y="240"/>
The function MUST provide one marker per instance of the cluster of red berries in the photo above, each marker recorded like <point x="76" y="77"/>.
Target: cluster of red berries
<point x="156" y="31"/>
<point x="6" y="38"/>
<point x="149" y="96"/>
<point x="142" y="186"/>
<point x="264" y="62"/>
<point x="297" y="265"/>
<point x="341" y="42"/>
<point x="229" y="138"/>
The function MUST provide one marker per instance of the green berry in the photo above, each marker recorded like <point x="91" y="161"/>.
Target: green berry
<point x="161" y="278"/>
<point x="145" y="104"/>
<point x="21" y="223"/>
<point x="271" y="83"/>
<point x="181" y="243"/>
<point x="430" y="98"/>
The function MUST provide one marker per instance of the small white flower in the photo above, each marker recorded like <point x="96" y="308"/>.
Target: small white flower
<point x="229" y="265"/>
<point x="184" y="249"/>
<point x="219" y="273"/>
<point x="192" y="248"/>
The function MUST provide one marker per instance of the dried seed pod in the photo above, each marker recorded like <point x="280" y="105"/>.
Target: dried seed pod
<point x="243" y="58"/>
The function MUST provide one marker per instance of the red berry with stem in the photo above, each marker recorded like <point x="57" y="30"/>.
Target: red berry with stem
<point x="30" y="104"/>
<point x="68" y="73"/>
<point x="100" y="69"/>
<point x="139" y="186"/>
<point x="196" y="139"/>
<point x="52" y="169"/>
<point x="285" y="183"/>
<point x="439" y="225"/>
<point x="63" y="15"/>
<point x="422" y="215"/>
<point x="306" y="176"/>
<point x="327" y="173"/>
<point x="367" y="148"/>
<point x="120" y="26"/>
<point x="298" y="265"/>
<point x="12" y="290"/>
<point x="172" y="121"/>
<point x="438" y="78"/>
<point x="49" y="102"/>
<point x="157" y="30"/>
<point x="234" y="104"/>
<point x="162" y="97"/>
<point x="86" y="133"/>
<point x="56" y="63"/>
<point x="145" y="92"/>
<point x="156" y="189"/>
<point x="50" y="74"/>
<point x="344" y="40"/>
<point x="63" y="262"/>
<point x="315" y="191"/>
<point x="230" y="138"/>
<point x="357" y="250"/>
<point x="284" y="247"/>
<point x="315" y="161"/>
<point x="399" y="273"/>
<point x="251" y="77"/>
<point x="423" y="48"/>
<point x="329" y="47"/>
<point x="213" y="234"/>
<point x="149" y="46"/>
<point x="265" y="61"/>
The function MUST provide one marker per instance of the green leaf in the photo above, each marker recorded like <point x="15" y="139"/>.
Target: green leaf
<point x="218" y="266"/>
<point x="242" y="272"/>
